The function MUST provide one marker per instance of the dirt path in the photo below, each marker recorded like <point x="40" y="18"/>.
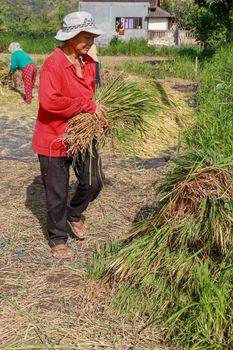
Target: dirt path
<point x="44" y="306"/>
<point x="107" y="60"/>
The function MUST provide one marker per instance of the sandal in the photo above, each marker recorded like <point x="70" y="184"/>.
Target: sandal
<point x="79" y="228"/>
<point x="61" y="251"/>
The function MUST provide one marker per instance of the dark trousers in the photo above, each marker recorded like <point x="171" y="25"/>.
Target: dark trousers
<point x="55" y="176"/>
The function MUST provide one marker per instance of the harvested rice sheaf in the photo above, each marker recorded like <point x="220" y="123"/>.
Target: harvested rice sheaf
<point x="5" y="78"/>
<point x="204" y="183"/>
<point x="10" y="80"/>
<point x="80" y="133"/>
<point x="195" y="212"/>
<point x="127" y="104"/>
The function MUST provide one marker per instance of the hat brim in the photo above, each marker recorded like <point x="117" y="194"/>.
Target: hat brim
<point x="63" y="36"/>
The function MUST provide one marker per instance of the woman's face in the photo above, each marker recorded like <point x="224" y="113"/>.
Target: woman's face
<point x="82" y="42"/>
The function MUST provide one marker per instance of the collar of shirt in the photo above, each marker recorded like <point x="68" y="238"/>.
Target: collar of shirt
<point x="67" y="63"/>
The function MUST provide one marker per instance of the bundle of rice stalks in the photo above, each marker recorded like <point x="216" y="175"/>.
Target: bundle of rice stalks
<point x="196" y="204"/>
<point x="127" y="104"/>
<point x="107" y="76"/>
<point x="5" y="78"/>
<point x="10" y="81"/>
<point x="171" y="116"/>
<point x="81" y="132"/>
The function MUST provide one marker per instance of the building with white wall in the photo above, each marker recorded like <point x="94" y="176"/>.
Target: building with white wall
<point x="134" y="15"/>
<point x="109" y="14"/>
<point x="158" y="19"/>
<point x="140" y="19"/>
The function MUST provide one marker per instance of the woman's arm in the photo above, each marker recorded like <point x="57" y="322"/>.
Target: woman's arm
<point x="14" y="64"/>
<point x="53" y="101"/>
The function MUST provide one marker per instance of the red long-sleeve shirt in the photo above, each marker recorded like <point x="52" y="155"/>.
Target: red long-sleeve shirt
<point x="62" y="95"/>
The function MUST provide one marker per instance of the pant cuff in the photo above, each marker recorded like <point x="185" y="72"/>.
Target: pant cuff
<point x="53" y="243"/>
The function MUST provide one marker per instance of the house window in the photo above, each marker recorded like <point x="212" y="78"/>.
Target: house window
<point x="128" y="22"/>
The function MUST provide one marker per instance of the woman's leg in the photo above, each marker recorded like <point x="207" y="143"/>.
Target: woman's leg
<point x="34" y="73"/>
<point x="28" y="76"/>
<point x="55" y="176"/>
<point x="88" y="171"/>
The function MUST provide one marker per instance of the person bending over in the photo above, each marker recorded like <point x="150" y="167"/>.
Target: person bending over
<point x="22" y="61"/>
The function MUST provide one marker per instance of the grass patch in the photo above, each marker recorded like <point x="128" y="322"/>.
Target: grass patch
<point x="212" y="137"/>
<point x="30" y="45"/>
<point x="180" y="67"/>
<point x="137" y="47"/>
<point x="39" y="45"/>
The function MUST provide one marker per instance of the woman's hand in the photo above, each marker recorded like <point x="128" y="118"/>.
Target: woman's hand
<point x="101" y="112"/>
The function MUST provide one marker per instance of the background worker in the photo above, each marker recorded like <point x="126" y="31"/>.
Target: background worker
<point x="22" y="61"/>
<point x="121" y="29"/>
<point x="93" y="53"/>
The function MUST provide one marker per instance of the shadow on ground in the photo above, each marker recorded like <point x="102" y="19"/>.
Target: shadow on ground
<point x="16" y="135"/>
<point x="155" y="62"/>
<point x="35" y="202"/>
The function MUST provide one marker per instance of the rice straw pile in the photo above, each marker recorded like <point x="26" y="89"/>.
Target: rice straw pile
<point x="5" y="78"/>
<point x="127" y="105"/>
<point x="174" y="268"/>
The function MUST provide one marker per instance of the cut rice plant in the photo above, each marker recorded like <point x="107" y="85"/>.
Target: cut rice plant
<point x="194" y="216"/>
<point x="5" y="78"/>
<point x="170" y="114"/>
<point x="178" y="264"/>
<point x="81" y="132"/>
<point x="128" y="105"/>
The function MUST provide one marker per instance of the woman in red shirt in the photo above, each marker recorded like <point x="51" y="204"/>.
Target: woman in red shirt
<point x="67" y="87"/>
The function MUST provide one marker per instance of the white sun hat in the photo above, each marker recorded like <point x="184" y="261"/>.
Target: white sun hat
<point x="77" y="22"/>
<point x="14" y="47"/>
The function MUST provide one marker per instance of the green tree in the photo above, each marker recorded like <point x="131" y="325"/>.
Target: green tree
<point x="181" y="10"/>
<point x="166" y="5"/>
<point x="5" y="11"/>
<point x="47" y="25"/>
<point x="61" y="12"/>
<point x="213" y="22"/>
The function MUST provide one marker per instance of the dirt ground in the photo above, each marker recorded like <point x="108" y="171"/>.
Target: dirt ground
<point x="44" y="303"/>
<point x="45" y="306"/>
<point x="109" y="61"/>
